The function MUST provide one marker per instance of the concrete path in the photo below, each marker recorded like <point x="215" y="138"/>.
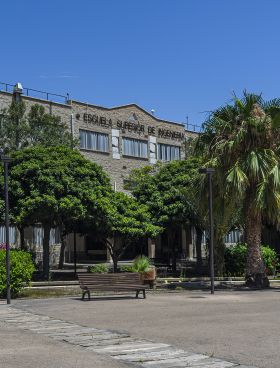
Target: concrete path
<point x="116" y="345"/>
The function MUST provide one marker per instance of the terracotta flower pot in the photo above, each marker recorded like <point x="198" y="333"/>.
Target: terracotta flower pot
<point x="149" y="277"/>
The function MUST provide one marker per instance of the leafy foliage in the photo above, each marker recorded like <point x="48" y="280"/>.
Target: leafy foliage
<point x="55" y="185"/>
<point x="127" y="218"/>
<point x="19" y="129"/>
<point x="241" y="141"/>
<point x="235" y="259"/>
<point x="125" y="268"/>
<point x="98" y="268"/>
<point x="169" y="190"/>
<point x="270" y="258"/>
<point x="172" y="193"/>
<point x="124" y="221"/>
<point x="22" y="269"/>
<point x="141" y="264"/>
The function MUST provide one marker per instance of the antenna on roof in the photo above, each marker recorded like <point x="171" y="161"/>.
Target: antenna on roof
<point x="153" y="112"/>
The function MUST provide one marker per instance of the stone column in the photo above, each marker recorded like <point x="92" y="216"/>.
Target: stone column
<point x="151" y="248"/>
<point x="152" y="149"/>
<point x="115" y="144"/>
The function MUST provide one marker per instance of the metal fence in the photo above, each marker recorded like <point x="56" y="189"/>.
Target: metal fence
<point x="54" y="97"/>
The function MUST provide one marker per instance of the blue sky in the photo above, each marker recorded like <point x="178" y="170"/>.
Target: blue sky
<point x="178" y="57"/>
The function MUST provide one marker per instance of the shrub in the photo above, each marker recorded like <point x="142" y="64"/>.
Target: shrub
<point x="22" y="269"/>
<point x="270" y="259"/>
<point x="125" y="268"/>
<point x="235" y="259"/>
<point x="141" y="264"/>
<point x="98" y="268"/>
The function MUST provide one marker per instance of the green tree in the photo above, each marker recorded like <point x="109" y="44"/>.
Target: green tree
<point x="46" y="129"/>
<point x="14" y="128"/>
<point x="171" y="193"/>
<point x="19" y="129"/>
<point x="55" y="186"/>
<point x="241" y="141"/>
<point x="124" y="221"/>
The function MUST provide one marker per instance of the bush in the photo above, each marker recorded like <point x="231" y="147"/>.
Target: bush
<point x="270" y="259"/>
<point x="141" y="264"/>
<point x="235" y="259"/>
<point x="98" y="268"/>
<point x="22" y="269"/>
<point x="125" y="268"/>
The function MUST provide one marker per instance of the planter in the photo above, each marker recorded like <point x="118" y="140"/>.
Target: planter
<point x="149" y="277"/>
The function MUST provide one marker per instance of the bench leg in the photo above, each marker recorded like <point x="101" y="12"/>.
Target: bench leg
<point x="144" y="293"/>
<point x="84" y="293"/>
<point x="137" y="293"/>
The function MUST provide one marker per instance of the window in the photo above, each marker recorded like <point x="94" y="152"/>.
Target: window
<point x="12" y="234"/>
<point x="135" y="147"/>
<point x="234" y="236"/>
<point x="38" y="235"/>
<point x="168" y="153"/>
<point x="94" y="141"/>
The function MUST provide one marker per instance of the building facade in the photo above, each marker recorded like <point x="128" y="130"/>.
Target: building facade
<point x="120" y="139"/>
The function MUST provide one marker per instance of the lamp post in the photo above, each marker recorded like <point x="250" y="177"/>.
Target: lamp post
<point x="209" y="172"/>
<point x="6" y="160"/>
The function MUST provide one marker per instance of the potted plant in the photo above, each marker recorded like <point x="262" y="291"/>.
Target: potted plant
<point x="142" y="264"/>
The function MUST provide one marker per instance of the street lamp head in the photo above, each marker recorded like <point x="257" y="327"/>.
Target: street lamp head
<point x="206" y="170"/>
<point x="3" y="157"/>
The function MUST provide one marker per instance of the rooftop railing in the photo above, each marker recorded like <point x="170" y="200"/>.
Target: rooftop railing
<point x="54" y="97"/>
<point x="193" y="127"/>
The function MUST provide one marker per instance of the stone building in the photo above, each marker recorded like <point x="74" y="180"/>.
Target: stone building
<point x="120" y="138"/>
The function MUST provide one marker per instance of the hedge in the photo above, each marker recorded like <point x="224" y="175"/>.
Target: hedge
<point x="22" y="269"/>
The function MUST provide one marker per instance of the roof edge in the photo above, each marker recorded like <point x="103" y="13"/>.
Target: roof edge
<point x="127" y="105"/>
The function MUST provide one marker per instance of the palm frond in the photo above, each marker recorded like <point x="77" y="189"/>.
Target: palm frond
<point x="237" y="178"/>
<point x="267" y="201"/>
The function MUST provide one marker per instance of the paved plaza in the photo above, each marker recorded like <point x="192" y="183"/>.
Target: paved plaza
<point x="185" y="329"/>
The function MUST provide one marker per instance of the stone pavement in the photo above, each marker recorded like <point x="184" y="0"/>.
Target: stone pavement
<point x="119" y="346"/>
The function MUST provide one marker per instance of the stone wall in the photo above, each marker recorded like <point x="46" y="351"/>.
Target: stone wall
<point x="127" y="121"/>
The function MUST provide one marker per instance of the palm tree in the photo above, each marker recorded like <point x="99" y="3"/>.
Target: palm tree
<point x="241" y="141"/>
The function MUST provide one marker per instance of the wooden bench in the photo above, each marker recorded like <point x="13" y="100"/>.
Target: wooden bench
<point x="110" y="282"/>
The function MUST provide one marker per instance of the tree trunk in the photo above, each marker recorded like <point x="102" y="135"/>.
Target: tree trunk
<point x="115" y="264"/>
<point x="198" y="242"/>
<point x="46" y="251"/>
<point x="255" y="269"/>
<point x="111" y="248"/>
<point x="62" y="250"/>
